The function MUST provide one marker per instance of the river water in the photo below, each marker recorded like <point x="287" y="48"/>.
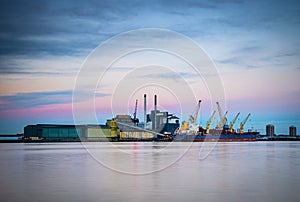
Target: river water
<point x="149" y="171"/>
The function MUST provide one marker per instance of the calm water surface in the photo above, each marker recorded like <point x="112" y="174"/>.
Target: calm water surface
<point x="258" y="171"/>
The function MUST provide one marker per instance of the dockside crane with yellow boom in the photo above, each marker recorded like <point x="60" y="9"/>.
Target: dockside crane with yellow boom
<point x="223" y="121"/>
<point x="209" y="122"/>
<point x="243" y="124"/>
<point x="193" y="118"/>
<point x="192" y="126"/>
<point x="223" y="118"/>
<point x="233" y="122"/>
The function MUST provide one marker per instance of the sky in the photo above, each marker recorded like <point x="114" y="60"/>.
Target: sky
<point x="254" y="46"/>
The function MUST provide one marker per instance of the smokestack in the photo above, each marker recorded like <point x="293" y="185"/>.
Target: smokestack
<point x="145" y="111"/>
<point x="155" y="102"/>
<point x="155" y="108"/>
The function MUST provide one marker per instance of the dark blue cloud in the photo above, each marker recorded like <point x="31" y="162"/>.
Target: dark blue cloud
<point x="249" y="49"/>
<point x="240" y="61"/>
<point x="36" y="99"/>
<point x="27" y="25"/>
<point x="74" y="27"/>
<point x="67" y="27"/>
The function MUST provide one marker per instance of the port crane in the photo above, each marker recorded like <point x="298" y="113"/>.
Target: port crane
<point x="192" y="126"/>
<point x="209" y="122"/>
<point x="135" y="120"/>
<point x="223" y="121"/>
<point x="223" y="118"/>
<point x="233" y="122"/>
<point x="219" y="110"/>
<point x="243" y="123"/>
<point x="193" y="118"/>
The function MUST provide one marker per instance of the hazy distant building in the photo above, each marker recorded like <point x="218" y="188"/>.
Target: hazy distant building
<point x="270" y="130"/>
<point x="293" y="131"/>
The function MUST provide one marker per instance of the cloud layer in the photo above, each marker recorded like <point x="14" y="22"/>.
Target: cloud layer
<point x="44" y="43"/>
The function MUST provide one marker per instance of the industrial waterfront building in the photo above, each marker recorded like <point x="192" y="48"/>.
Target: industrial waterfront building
<point x="155" y="123"/>
<point x="125" y="123"/>
<point x="121" y="127"/>
<point x="293" y="131"/>
<point x="270" y="130"/>
<point x="161" y="122"/>
<point x="55" y="132"/>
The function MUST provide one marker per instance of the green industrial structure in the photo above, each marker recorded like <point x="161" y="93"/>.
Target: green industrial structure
<point x="54" y="132"/>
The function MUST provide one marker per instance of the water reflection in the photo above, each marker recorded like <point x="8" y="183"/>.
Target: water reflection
<point x="259" y="171"/>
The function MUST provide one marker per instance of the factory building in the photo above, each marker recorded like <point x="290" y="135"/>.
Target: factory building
<point x="122" y="127"/>
<point x="125" y="123"/>
<point x="158" y="119"/>
<point x="130" y="131"/>
<point x="270" y="130"/>
<point x="165" y="122"/>
<point x="54" y="132"/>
<point x="172" y="124"/>
<point x="137" y="135"/>
<point x="161" y="122"/>
<point x="293" y="131"/>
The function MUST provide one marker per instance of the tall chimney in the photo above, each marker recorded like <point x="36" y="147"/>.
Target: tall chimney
<point x="145" y="111"/>
<point x="155" y="108"/>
